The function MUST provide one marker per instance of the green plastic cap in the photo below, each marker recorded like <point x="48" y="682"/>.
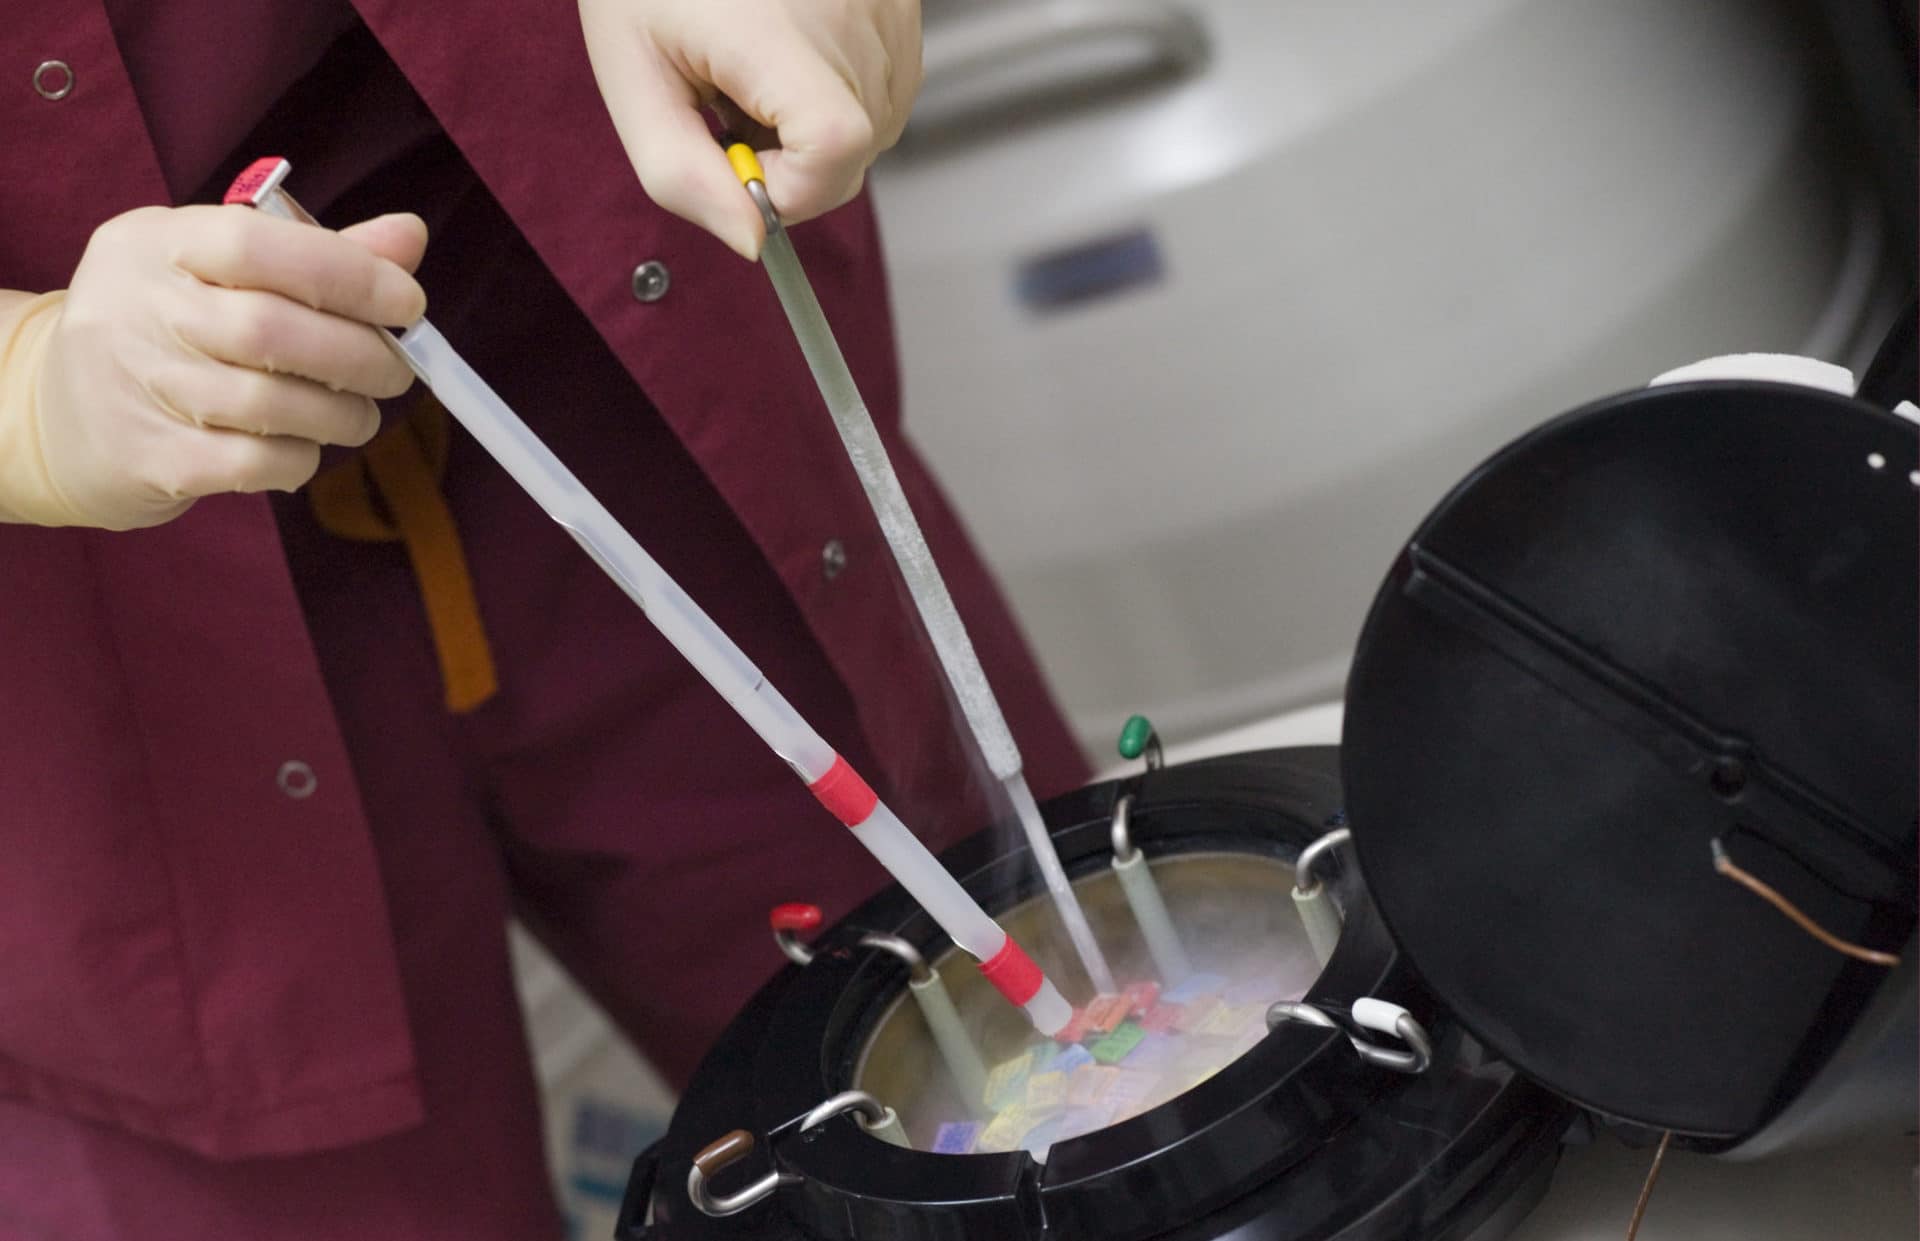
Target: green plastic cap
<point x="1134" y="735"/>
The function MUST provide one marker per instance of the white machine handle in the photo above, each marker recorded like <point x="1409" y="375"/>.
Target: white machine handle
<point x="996" y="59"/>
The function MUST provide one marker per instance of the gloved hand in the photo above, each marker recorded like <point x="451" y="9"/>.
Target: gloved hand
<point x="833" y="79"/>
<point x="199" y="350"/>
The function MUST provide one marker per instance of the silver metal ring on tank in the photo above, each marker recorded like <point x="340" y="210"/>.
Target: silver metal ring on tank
<point x="869" y="1114"/>
<point x="715" y="1158"/>
<point x="916" y="964"/>
<point x="790" y="945"/>
<point x="1122" y="829"/>
<point x="868" y="1110"/>
<point x="1303" y="878"/>
<point x="1414" y="1061"/>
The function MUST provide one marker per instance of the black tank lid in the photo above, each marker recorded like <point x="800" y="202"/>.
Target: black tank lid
<point x="1680" y="615"/>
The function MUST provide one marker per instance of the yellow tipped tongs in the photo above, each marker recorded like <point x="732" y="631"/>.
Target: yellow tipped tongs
<point x="910" y="552"/>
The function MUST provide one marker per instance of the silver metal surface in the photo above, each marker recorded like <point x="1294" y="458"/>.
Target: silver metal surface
<point x="925" y="586"/>
<point x="869" y="1111"/>
<point x="1305" y="1014"/>
<point x="296" y="779"/>
<point x="768" y="216"/>
<point x="721" y="1206"/>
<point x="1417" y="1059"/>
<point x="893" y="944"/>
<point x="792" y="948"/>
<point x="833" y="559"/>
<point x="1122" y="836"/>
<point x="651" y="280"/>
<point x="46" y="73"/>
<point x="270" y="197"/>
<point x="1304" y="881"/>
<point x="905" y="541"/>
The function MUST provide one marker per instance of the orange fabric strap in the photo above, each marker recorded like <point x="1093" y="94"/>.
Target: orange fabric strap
<point x="405" y="463"/>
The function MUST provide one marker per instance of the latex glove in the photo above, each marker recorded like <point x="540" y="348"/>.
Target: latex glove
<point x="199" y="350"/>
<point x="833" y="79"/>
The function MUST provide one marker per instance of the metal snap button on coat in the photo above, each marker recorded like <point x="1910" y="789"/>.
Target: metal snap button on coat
<point x="53" y="79"/>
<point x="651" y="280"/>
<point x="833" y="558"/>
<point x="297" y="780"/>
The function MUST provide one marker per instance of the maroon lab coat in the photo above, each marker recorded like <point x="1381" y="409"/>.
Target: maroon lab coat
<point x="191" y="952"/>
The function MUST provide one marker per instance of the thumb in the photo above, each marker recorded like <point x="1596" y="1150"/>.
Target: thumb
<point x="400" y="238"/>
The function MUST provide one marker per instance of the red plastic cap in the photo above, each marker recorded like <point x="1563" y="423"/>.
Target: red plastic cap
<point x="794" y="916"/>
<point x="845" y="795"/>
<point x="248" y="183"/>
<point x="1013" y="973"/>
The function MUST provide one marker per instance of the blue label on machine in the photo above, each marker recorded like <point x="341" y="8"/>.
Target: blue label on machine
<point x="1090" y="271"/>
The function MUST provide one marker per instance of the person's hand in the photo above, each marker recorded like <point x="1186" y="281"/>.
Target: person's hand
<point x="832" y="80"/>
<point x="199" y="350"/>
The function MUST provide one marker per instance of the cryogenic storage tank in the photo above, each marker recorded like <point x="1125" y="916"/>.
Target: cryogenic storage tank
<point x="1628" y="776"/>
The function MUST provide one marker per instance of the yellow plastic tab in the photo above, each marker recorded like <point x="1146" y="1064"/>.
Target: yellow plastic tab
<point x="746" y="165"/>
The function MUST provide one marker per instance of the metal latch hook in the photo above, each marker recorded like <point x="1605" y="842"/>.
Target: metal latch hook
<point x="726" y="1151"/>
<point x="1370" y="1014"/>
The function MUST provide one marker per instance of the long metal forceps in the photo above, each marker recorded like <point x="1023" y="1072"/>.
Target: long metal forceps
<point x="909" y="547"/>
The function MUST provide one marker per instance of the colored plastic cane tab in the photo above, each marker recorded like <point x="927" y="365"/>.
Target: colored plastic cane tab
<point x="1115" y="1047"/>
<point x="956" y="1138"/>
<point x="1075" y="1029"/>
<point x="258" y="176"/>
<point x="746" y="165"/>
<point x="1008" y="1081"/>
<point x="1013" y="973"/>
<point x="794" y="916"/>
<point x="1047" y="1090"/>
<point x="1089" y="1084"/>
<point x="846" y="796"/>
<point x="1104" y="1012"/>
<point x="1006" y="1130"/>
<point x="1162" y="1018"/>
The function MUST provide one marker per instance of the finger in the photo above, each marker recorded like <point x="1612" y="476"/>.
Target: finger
<point x="400" y="238"/>
<point x="826" y="133"/>
<point x="234" y="398"/>
<point x="870" y="66"/>
<point x="213" y="462"/>
<point x="655" y="109"/>
<point x="268" y="332"/>
<point x="240" y="248"/>
<point x="905" y="69"/>
<point x="737" y="126"/>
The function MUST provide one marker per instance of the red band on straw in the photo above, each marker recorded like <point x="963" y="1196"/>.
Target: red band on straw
<point x="248" y="183"/>
<point x="845" y="795"/>
<point x="1013" y="973"/>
